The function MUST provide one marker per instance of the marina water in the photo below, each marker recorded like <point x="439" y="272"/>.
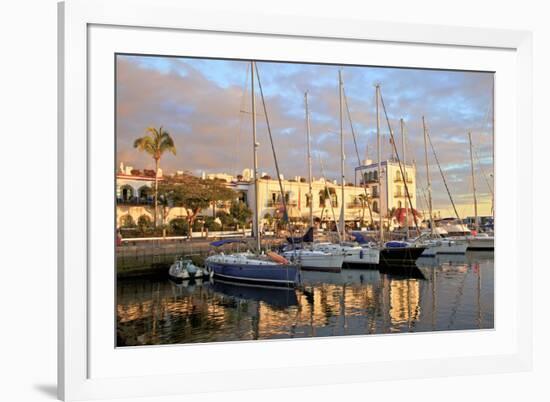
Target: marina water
<point x="445" y="293"/>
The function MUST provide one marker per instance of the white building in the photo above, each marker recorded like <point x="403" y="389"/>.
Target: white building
<point x="392" y="192"/>
<point x="134" y="191"/>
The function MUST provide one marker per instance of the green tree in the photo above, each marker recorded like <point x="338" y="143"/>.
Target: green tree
<point x="156" y="143"/>
<point x="240" y="213"/>
<point x="225" y="219"/>
<point x="193" y="194"/>
<point x="269" y="219"/>
<point x="179" y="227"/>
<point x="218" y="192"/>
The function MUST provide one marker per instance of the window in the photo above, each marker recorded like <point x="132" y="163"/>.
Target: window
<point x="242" y="197"/>
<point x="375" y="206"/>
<point x="144" y="193"/>
<point x="322" y="198"/>
<point x="126" y="193"/>
<point x="399" y="204"/>
<point x="333" y="198"/>
<point x="308" y="200"/>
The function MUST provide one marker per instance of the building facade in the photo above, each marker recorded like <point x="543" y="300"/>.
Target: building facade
<point x="134" y="194"/>
<point x="392" y="192"/>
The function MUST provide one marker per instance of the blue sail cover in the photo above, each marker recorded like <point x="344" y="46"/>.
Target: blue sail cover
<point x="359" y="237"/>
<point x="219" y="243"/>
<point x="362" y="238"/>
<point x="397" y="244"/>
<point x="307" y="238"/>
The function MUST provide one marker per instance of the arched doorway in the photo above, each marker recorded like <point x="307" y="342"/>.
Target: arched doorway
<point x="145" y="194"/>
<point x="126" y="193"/>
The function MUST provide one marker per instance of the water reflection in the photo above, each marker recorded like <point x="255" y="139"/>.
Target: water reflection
<point x="443" y="293"/>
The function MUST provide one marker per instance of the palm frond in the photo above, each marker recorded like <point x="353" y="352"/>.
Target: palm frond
<point x="146" y="144"/>
<point x="156" y="142"/>
<point x="167" y="143"/>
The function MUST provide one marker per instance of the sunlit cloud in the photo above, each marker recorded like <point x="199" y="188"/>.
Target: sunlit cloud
<point x="205" y="105"/>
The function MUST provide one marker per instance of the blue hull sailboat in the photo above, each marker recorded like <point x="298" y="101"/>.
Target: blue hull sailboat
<point x="255" y="268"/>
<point x="252" y="269"/>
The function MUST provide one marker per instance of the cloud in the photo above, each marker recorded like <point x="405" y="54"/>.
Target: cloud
<point x="205" y="105"/>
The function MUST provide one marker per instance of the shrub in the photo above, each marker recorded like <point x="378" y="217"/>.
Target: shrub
<point x="197" y="225"/>
<point x="227" y="220"/>
<point x="179" y="227"/>
<point x="127" y="222"/>
<point x="211" y="224"/>
<point x="144" y="224"/>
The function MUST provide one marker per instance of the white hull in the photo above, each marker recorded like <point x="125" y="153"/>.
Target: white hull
<point x="481" y="243"/>
<point x="435" y="247"/>
<point x="353" y="255"/>
<point x="316" y="260"/>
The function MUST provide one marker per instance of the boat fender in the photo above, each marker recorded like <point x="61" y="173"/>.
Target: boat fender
<point x="277" y="258"/>
<point x="361" y="254"/>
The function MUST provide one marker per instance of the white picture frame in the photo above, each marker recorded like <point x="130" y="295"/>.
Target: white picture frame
<point x="84" y="26"/>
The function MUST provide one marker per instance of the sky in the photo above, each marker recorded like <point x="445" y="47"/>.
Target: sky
<point x="205" y="104"/>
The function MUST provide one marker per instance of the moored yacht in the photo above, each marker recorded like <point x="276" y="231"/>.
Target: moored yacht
<point x="480" y="242"/>
<point x="443" y="246"/>
<point x="439" y="245"/>
<point x="254" y="269"/>
<point x="355" y="256"/>
<point x="300" y="251"/>
<point x="315" y="260"/>
<point x="396" y="254"/>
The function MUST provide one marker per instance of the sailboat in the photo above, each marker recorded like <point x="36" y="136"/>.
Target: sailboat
<point x="477" y="241"/>
<point x="306" y="257"/>
<point x="434" y="242"/>
<point x="355" y="256"/>
<point x="457" y="231"/>
<point x="393" y="254"/>
<point x="255" y="268"/>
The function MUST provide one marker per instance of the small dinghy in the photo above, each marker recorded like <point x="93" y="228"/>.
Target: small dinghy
<point x="184" y="269"/>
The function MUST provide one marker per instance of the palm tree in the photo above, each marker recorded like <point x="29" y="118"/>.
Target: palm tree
<point x="155" y="143"/>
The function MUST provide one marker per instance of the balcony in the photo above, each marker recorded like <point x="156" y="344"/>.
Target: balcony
<point x="279" y="204"/>
<point x="400" y="179"/>
<point x="135" y="201"/>
<point x="401" y="194"/>
<point x="354" y="205"/>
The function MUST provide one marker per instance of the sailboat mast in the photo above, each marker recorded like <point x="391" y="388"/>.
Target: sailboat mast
<point x="310" y="191"/>
<point x="476" y="226"/>
<point x="405" y="171"/>
<point x="429" y="182"/>
<point x="342" y="157"/>
<point x="379" y="164"/>
<point x="255" y="153"/>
